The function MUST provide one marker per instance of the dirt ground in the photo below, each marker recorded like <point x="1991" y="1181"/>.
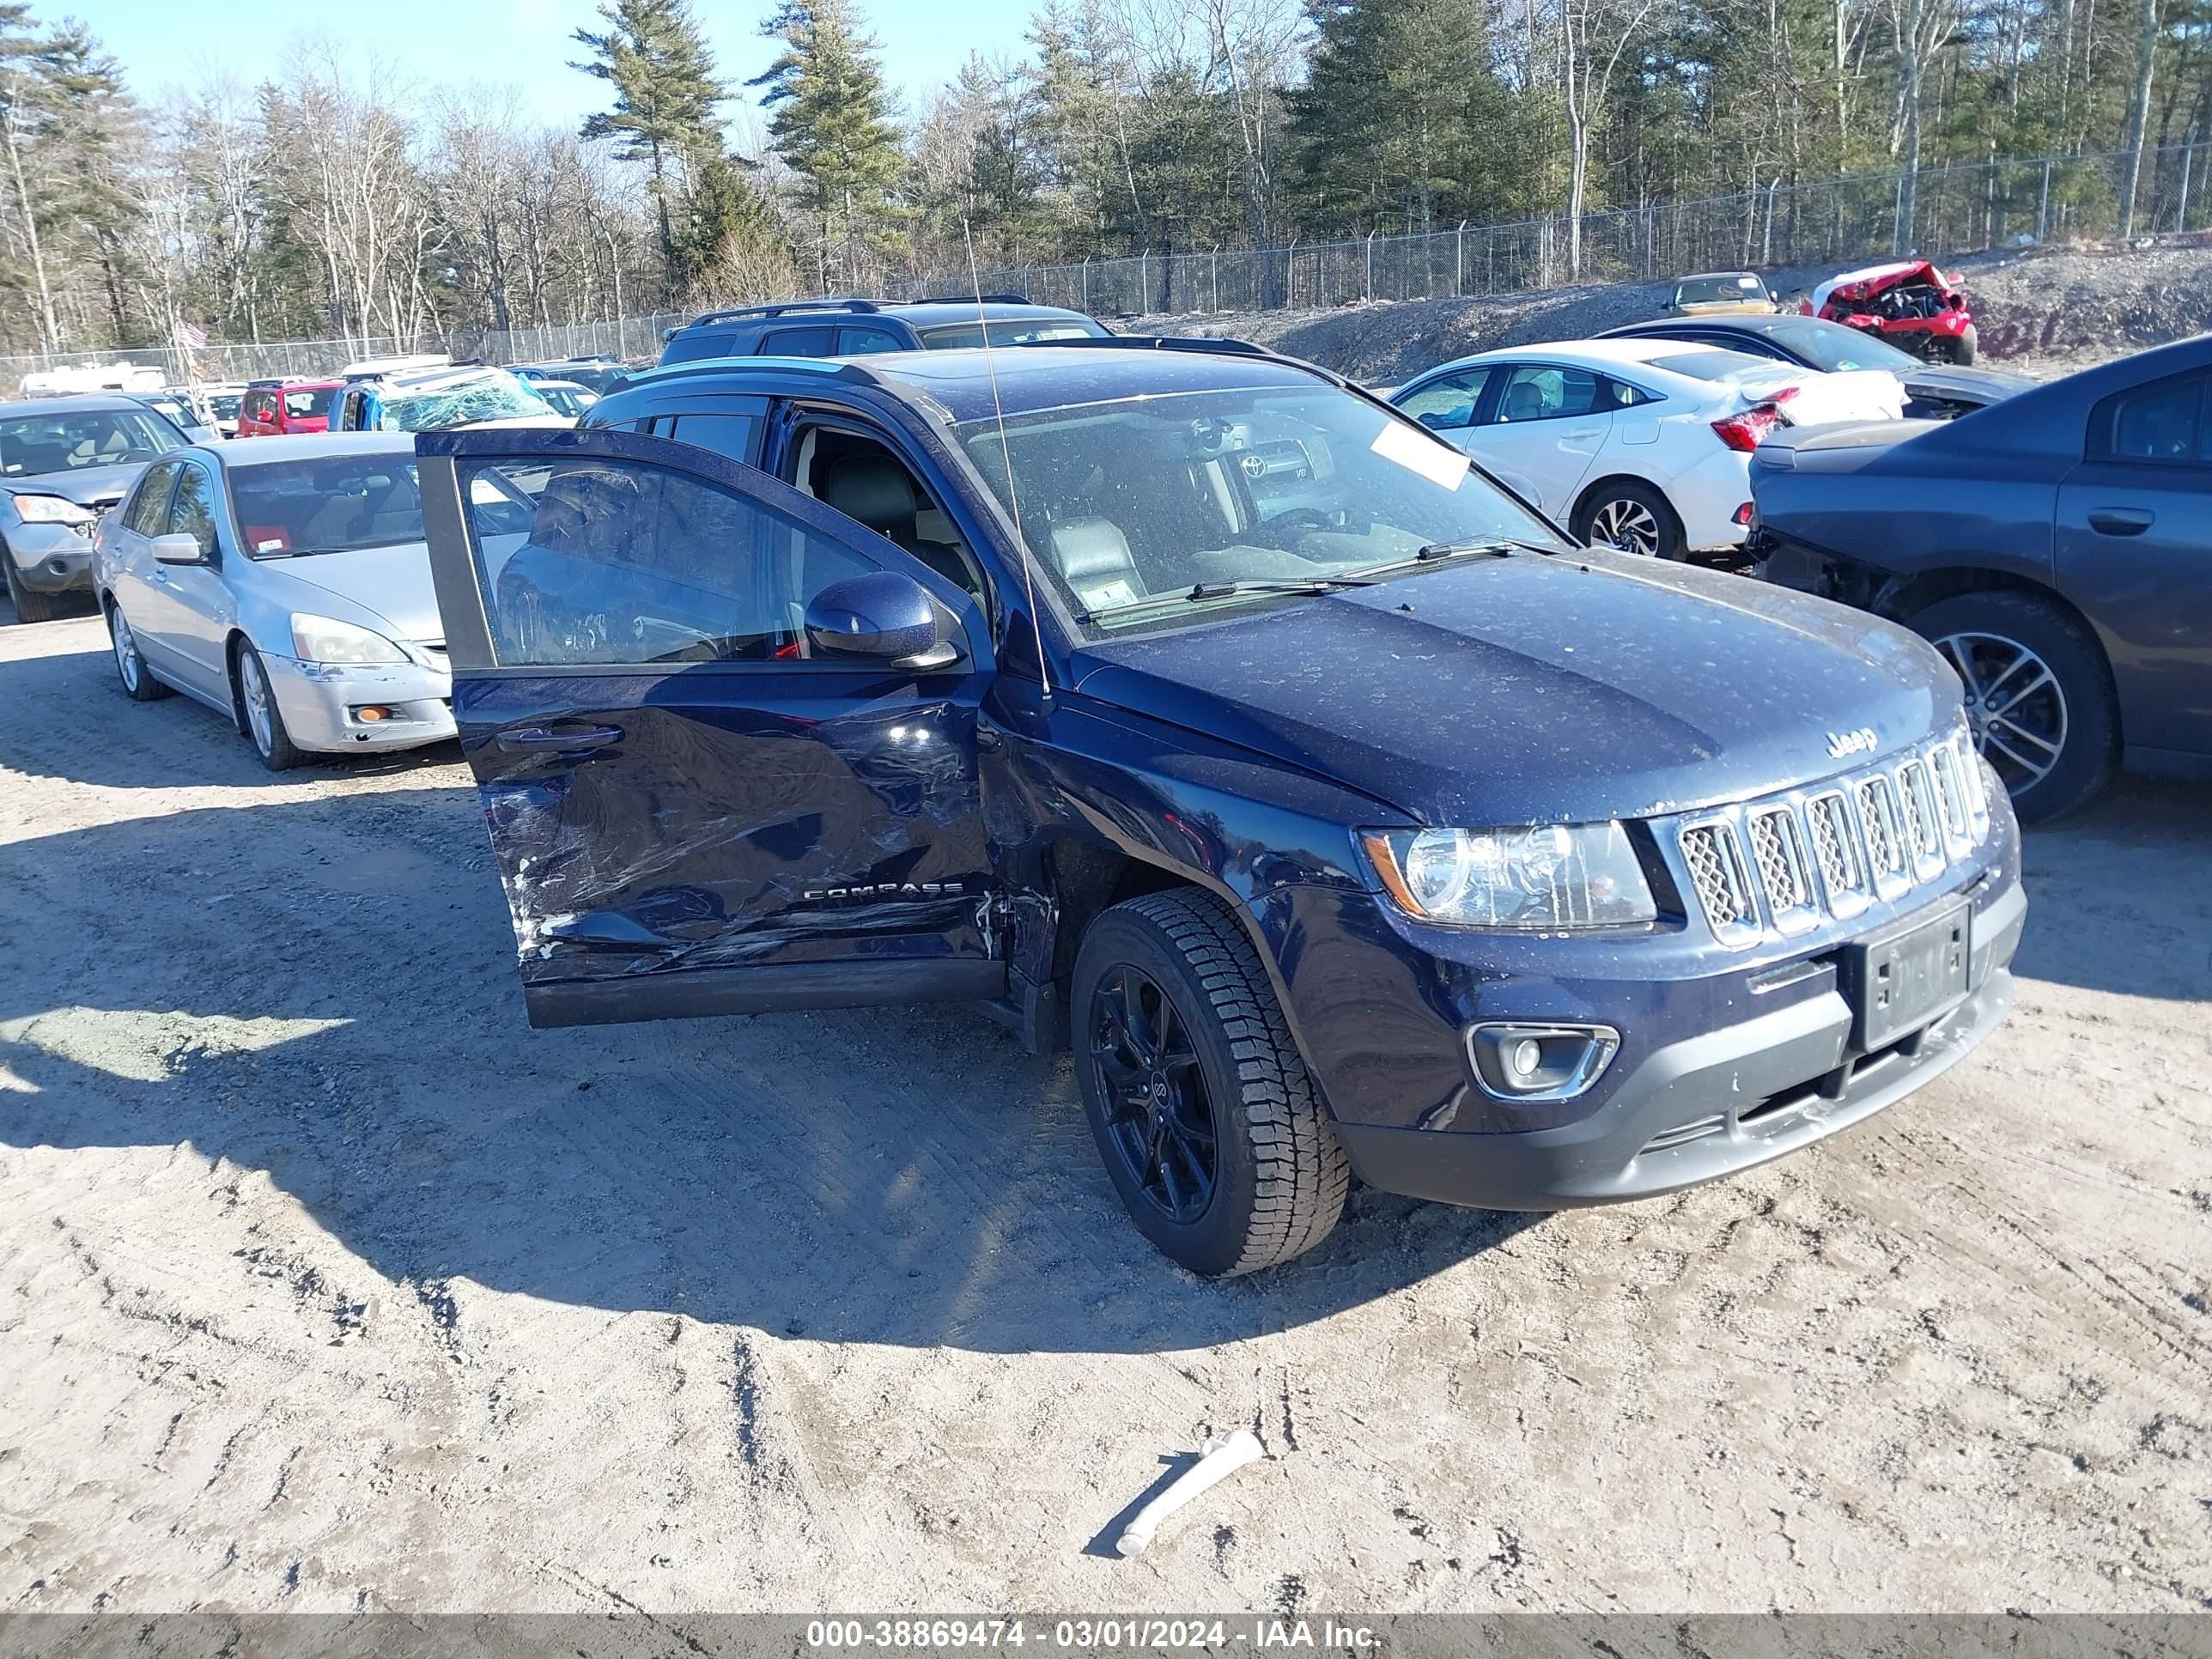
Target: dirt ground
<point x="325" y="1283"/>
<point x="2044" y="310"/>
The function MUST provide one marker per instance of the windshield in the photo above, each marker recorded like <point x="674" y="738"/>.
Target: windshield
<point x="1714" y="365"/>
<point x="1833" y="348"/>
<point x="69" y="443"/>
<point x="224" y="405"/>
<point x="1710" y="290"/>
<point x="289" y="509"/>
<point x="956" y="337"/>
<point x="496" y="395"/>
<point x="1127" y="502"/>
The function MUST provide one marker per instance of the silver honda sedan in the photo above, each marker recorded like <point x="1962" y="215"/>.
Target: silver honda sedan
<point x="285" y="584"/>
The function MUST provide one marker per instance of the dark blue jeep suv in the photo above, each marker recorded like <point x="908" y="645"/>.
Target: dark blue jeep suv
<point x="1188" y="706"/>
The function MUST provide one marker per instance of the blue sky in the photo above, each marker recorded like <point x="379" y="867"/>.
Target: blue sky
<point x="525" y="42"/>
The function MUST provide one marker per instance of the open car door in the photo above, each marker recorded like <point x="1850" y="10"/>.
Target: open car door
<point x="725" y="736"/>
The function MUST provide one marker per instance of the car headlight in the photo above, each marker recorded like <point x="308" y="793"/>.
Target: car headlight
<point x="1553" y="876"/>
<point x="321" y="639"/>
<point x="52" y="509"/>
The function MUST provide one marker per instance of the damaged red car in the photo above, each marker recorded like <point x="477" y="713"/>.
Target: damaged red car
<point x="1909" y="303"/>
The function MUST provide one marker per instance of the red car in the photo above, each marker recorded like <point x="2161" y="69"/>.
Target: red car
<point x="1911" y="304"/>
<point x="273" y="407"/>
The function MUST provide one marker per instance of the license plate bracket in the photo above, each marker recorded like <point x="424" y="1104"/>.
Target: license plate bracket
<point x="1898" y="979"/>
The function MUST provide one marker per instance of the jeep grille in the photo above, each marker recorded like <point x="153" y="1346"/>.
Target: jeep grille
<point x="1775" y="866"/>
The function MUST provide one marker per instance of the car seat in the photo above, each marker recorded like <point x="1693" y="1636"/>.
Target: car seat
<point x="1524" y="401"/>
<point x="880" y="492"/>
<point x="1093" y="554"/>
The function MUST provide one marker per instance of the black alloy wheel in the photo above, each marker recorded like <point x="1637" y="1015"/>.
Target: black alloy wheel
<point x="1158" y="1115"/>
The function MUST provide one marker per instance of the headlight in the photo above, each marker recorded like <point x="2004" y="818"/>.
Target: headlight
<point x="52" y="509"/>
<point x="319" y="639"/>
<point x="1553" y="876"/>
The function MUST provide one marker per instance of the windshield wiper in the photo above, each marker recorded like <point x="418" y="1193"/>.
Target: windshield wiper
<point x="1201" y="591"/>
<point x="1499" y="545"/>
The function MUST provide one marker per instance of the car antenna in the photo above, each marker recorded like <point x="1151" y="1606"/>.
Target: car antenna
<point x="1006" y="460"/>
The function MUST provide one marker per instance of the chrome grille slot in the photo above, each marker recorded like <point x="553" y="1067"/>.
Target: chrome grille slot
<point x="1970" y="777"/>
<point x="1923" y="837"/>
<point x="1885" y="836"/>
<point x="1950" y="798"/>
<point x="1710" y="847"/>
<point x="1778" y="852"/>
<point x="1835" y="851"/>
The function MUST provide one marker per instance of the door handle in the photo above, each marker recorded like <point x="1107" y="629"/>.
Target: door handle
<point x="575" y="739"/>
<point x="1588" y="432"/>
<point x="2121" y="520"/>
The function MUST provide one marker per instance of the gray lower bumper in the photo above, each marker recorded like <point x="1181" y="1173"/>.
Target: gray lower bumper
<point x="50" y="559"/>
<point x="1702" y="1108"/>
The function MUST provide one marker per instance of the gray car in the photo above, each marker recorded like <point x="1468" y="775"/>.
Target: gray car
<point x="63" y="462"/>
<point x="285" y="584"/>
<point x="2053" y="546"/>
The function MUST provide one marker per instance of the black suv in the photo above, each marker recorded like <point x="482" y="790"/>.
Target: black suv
<point x="855" y="328"/>
<point x="1186" y="706"/>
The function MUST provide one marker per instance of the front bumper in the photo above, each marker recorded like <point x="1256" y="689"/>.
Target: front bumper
<point x="1706" y="1106"/>
<point x="51" y="558"/>
<point x="320" y="702"/>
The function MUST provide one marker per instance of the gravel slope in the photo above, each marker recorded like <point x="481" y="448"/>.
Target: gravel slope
<point x="325" y="1283"/>
<point x="2039" y="309"/>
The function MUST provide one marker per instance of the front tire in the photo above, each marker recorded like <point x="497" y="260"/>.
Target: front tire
<point x="263" y="720"/>
<point x="1966" y="347"/>
<point x="1631" y="516"/>
<point x="29" y="607"/>
<point x="1209" y="1124"/>
<point x="138" y="682"/>
<point x="2039" y="698"/>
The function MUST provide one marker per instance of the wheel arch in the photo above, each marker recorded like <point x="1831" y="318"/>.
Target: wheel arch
<point x="1903" y="598"/>
<point x="1590" y="491"/>
<point x="237" y="637"/>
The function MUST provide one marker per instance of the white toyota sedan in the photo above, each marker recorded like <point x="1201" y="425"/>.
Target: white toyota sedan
<point x="1644" y="444"/>
<point x="285" y="584"/>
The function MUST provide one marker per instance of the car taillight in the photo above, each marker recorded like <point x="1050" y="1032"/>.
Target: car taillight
<point x="1743" y="432"/>
<point x="1742" y="515"/>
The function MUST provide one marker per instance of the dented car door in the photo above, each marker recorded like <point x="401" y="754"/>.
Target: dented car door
<point x="696" y="808"/>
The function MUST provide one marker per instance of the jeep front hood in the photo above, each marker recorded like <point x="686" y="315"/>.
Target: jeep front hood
<point x="1543" y="688"/>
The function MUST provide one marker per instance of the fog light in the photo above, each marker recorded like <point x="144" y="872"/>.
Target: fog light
<point x="1519" y="1061"/>
<point x="370" y="713"/>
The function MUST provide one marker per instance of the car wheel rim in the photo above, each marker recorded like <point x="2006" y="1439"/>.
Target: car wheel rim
<point x="1160" y="1119"/>
<point x="2014" y="705"/>
<point x="126" y="649"/>
<point x="1626" y="525"/>
<point x="256" y="692"/>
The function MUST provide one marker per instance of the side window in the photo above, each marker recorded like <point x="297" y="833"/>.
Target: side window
<point x="1618" y="394"/>
<point x="191" y="512"/>
<point x="2161" y="423"/>
<point x="733" y="435"/>
<point x="149" y="511"/>
<point x="1447" y="403"/>
<point x="630" y="563"/>
<point x="797" y="342"/>
<point x="259" y="405"/>
<point x="864" y="342"/>
<point x="691" y="348"/>
<point x="1540" y="393"/>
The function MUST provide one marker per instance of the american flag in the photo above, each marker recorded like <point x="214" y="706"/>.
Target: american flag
<point x="194" y="337"/>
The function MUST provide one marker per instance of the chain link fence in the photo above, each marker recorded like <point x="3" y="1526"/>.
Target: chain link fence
<point x="1832" y="223"/>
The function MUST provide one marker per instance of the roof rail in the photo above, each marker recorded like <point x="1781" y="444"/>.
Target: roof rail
<point x="781" y="309"/>
<point x="970" y="300"/>
<point x="1221" y="346"/>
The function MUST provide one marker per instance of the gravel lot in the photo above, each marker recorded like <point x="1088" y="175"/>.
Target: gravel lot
<point x="325" y="1283"/>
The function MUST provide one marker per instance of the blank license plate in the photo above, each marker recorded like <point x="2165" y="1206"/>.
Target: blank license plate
<point x="1896" y="981"/>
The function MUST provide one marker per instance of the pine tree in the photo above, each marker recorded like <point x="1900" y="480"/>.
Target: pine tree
<point x="663" y="74"/>
<point x="832" y="127"/>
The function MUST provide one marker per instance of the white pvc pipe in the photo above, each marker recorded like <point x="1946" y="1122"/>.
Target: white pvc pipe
<point x="1218" y="1460"/>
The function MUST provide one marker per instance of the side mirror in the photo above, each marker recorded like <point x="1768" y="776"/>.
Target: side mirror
<point x="179" y="549"/>
<point x="883" y="616"/>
